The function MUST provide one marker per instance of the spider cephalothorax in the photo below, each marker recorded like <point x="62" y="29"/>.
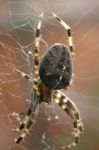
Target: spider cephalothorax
<point x="54" y="72"/>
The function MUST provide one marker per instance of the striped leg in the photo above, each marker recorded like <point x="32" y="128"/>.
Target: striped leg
<point x="25" y="127"/>
<point x="23" y="124"/>
<point x="69" y="107"/>
<point x="68" y="29"/>
<point x="31" y="114"/>
<point x="34" y="80"/>
<point x="36" y="54"/>
<point x="29" y="119"/>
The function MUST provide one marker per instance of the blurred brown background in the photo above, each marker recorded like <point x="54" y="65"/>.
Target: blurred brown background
<point x="17" y="21"/>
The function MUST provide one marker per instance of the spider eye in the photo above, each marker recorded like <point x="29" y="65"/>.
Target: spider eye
<point x="56" y="67"/>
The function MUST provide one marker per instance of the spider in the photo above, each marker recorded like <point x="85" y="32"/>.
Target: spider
<point x="52" y="73"/>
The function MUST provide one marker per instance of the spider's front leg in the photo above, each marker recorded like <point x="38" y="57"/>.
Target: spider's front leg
<point x="29" y="119"/>
<point x="70" y="108"/>
<point x="32" y="111"/>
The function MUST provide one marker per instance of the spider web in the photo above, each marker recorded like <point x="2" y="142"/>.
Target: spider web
<point x="18" y="19"/>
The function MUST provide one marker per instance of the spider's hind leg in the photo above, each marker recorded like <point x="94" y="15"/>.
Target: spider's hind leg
<point x="70" y="108"/>
<point x="69" y="33"/>
<point x="36" y="54"/>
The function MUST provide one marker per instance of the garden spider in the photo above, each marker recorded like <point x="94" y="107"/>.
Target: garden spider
<point x="53" y="73"/>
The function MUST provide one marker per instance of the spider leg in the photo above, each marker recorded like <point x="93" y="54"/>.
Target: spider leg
<point x="68" y="29"/>
<point x="28" y="114"/>
<point x="25" y="127"/>
<point x="31" y="114"/>
<point x="69" y="107"/>
<point x="22" y="74"/>
<point x="36" y="54"/>
<point x="29" y="119"/>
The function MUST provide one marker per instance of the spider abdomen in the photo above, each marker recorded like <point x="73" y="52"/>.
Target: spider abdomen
<point x="56" y="67"/>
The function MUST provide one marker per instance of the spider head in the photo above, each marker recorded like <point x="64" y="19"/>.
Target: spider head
<point x="56" y="67"/>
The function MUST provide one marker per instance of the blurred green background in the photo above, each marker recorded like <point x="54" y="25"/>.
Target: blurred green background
<point x="17" y="22"/>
